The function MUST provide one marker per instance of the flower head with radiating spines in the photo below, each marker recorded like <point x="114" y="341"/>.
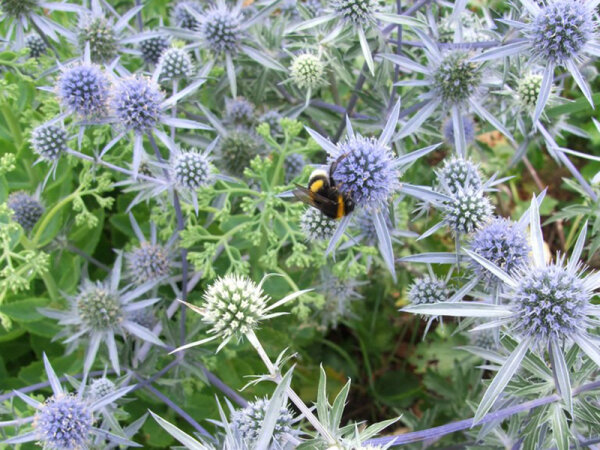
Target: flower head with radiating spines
<point x="468" y="210"/>
<point x="67" y="421"/>
<point x="528" y="90"/>
<point x="84" y="90"/>
<point x="221" y="29"/>
<point x="26" y="210"/>
<point x="357" y="12"/>
<point x="316" y="225"/>
<point x="237" y="148"/>
<point x="233" y="306"/>
<point x="307" y="71"/>
<point x="49" y="141"/>
<point x="191" y="169"/>
<point x="36" y="45"/>
<point x="249" y="420"/>
<point x="548" y="305"/>
<point x="459" y="173"/>
<point x="175" y="63"/>
<point x="101" y="387"/>
<point x="428" y="289"/>
<point x="102" y="310"/>
<point x="16" y="8"/>
<point x="502" y="242"/>
<point x="557" y="33"/>
<point x="152" y="48"/>
<point x="239" y="111"/>
<point x="101" y="37"/>
<point x="456" y="78"/>
<point x="137" y="104"/>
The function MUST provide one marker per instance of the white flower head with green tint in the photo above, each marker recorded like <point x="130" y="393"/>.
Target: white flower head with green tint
<point x="307" y="71"/>
<point x="65" y="421"/>
<point x="454" y="83"/>
<point x="233" y="306"/>
<point x="548" y="307"/>
<point x="100" y="311"/>
<point x="368" y="171"/>
<point x="556" y="33"/>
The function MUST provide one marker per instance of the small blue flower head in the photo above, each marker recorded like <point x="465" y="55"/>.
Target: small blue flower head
<point x="307" y="71"/>
<point x="502" y="242"/>
<point x="64" y="422"/>
<point x="101" y="387"/>
<point x="221" y="29"/>
<point x="191" y="169"/>
<point x="84" y="90"/>
<point x="98" y="308"/>
<point x="357" y="12"/>
<point x="136" y="103"/>
<point x="551" y="303"/>
<point x="100" y="35"/>
<point x="456" y="78"/>
<point x="237" y="149"/>
<point x="26" y="209"/>
<point x="272" y="117"/>
<point x="36" y="45"/>
<point x="367" y="172"/>
<point x="294" y="165"/>
<point x="239" y="111"/>
<point x="175" y="63"/>
<point x="560" y="30"/>
<point x="468" y="210"/>
<point x="148" y="262"/>
<point x="153" y="48"/>
<point x="428" y="289"/>
<point x="459" y="173"/>
<point x="49" y="141"/>
<point x="528" y="91"/>
<point x="469" y="130"/>
<point x="182" y="17"/>
<point x="16" y="8"/>
<point x="249" y="420"/>
<point x="316" y="225"/>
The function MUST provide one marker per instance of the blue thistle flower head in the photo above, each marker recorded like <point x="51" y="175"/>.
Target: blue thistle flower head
<point x="367" y="173"/>
<point x="17" y="8"/>
<point x="239" y="111"/>
<point x="469" y="130"/>
<point x="148" y="262"/>
<point x="428" y="289"/>
<point x="468" y="210"/>
<point x="502" y="242"/>
<point x="64" y="422"/>
<point x="102" y="39"/>
<point x="249" y="420"/>
<point x="237" y="149"/>
<point x="98" y="307"/>
<point x="560" y="30"/>
<point x="153" y="48"/>
<point x="49" y="141"/>
<point x="136" y="103"/>
<point x="551" y="303"/>
<point x="316" y="225"/>
<point x="307" y="71"/>
<point x="84" y="90"/>
<point x="221" y="29"/>
<point x="36" y="45"/>
<point x="528" y="90"/>
<point x="459" y="173"/>
<point x="175" y="63"/>
<point x="357" y="12"/>
<point x="456" y="78"/>
<point x="101" y="387"/>
<point x="26" y="209"/>
<point x="293" y="165"/>
<point x="191" y="170"/>
<point x="183" y="18"/>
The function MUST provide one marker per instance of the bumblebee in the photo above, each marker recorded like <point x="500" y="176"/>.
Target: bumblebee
<point x="324" y="194"/>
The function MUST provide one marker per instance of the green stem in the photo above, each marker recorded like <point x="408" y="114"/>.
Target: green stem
<point x="48" y="217"/>
<point x="51" y="286"/>
<point x="13" y="125"/>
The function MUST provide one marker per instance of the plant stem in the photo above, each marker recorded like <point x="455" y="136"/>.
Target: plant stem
<point x="296" y="400"/>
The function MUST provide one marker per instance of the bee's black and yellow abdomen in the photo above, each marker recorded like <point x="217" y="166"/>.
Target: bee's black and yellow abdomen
<point x="321" y="194"/>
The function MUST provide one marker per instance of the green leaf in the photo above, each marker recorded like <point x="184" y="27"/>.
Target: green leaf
<point x="24" y="310"/>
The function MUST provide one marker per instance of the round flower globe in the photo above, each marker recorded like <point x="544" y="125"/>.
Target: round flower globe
<point x="358" y="12"/>
<point x="456" y="78"/>
<point x="16" y="8"/>
<point x="428" y="289"/>
<point x="221" y="29"/>
<point x="98" y="308"/>
<point x="101" y="37"/>
<point x="153" y="48"/>
<point x="316" y="226"/>
<point x="49" y="141"/>
<point x="136" y="103"/>
<point x="64" y="422"/>
<point x="183" y="18"/>
<point x="175" y="63"/>
<point x="248" y="423"/>
<point x="307" y="71"/>
<point x="468" y="210"/>
<point x="149" y="262"/>
<point x="26" y="209"/>
<point x="528" y="90"/>
<point x="237" y="149"/>
<point x="84" y="90"/>
<point x="191" y="170"/>
<point x="239" y="111"/>
<point x="101" y="387"/>
<point x="36" y="45"/>
<point x="459" y="173"/>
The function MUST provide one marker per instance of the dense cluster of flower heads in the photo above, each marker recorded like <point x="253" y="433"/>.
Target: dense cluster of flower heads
<point x="178" y="108"/>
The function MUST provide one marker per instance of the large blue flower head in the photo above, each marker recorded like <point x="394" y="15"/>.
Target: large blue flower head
<point x="502" y="242"/>
<point x="366" y="170"/>
<point x="221" y="29"/>
<point x="64" y="422"/>
<point x="84" y="90"/>
<point x="551" y="303"/>
<point x="560" y="30"/>
<point x="137" y="104"/>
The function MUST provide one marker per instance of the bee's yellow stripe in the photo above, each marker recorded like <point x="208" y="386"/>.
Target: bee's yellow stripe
<point x="316" y="185"/>
<point x="341" y="207"/>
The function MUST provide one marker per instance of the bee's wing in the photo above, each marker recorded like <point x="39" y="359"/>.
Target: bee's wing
<point x="311" y="198"/>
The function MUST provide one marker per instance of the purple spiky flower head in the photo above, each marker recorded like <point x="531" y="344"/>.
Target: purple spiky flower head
<point x="49" y="141"/>
<point x="191" y="169"/>
<point x="221" y="29"/>
<point x="136" y="103"/>
<point x="428" y="289"/>
<point x="239" y="111"/>
<point x="84" y="90"/>
<point x="468" y="210"/>
<point x="26" y="209"/>
<point x="459" y="173"/>
<point x="152" y="48"/>
<point x="64" y="422"/>
<point x="36" y="45"/>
